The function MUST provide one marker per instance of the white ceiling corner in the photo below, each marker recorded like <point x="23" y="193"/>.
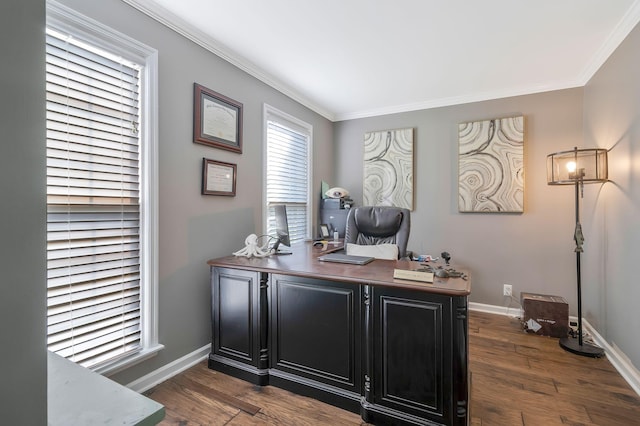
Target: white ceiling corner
<point x="626" y="24"/>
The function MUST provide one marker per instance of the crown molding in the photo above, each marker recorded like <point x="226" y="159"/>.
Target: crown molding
<point x="182" y="27"/>
<point x="616" y="37"/>
<point x="458" y="100"/>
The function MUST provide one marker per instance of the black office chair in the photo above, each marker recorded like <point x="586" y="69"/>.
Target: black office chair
<point x="369" y="225"/>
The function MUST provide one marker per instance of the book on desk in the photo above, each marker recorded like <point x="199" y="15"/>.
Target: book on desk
<point x="346" y="258"/>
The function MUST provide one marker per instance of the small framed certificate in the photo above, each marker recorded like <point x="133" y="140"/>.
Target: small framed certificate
<point x="218" y="178"/>
<point x="217" y="120"/>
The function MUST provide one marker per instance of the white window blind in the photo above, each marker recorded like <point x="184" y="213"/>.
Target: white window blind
<point x="288" y="173"/>
<point x="93" y="202"/>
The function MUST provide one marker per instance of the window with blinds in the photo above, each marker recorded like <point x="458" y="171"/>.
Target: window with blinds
<point x="288" y="171"/>
<point x="93" y="202"/>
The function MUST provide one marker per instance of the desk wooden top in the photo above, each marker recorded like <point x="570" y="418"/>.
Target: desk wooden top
<point x="304" y="263"/>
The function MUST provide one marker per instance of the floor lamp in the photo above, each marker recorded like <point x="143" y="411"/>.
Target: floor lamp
<point x="577" y="167"/>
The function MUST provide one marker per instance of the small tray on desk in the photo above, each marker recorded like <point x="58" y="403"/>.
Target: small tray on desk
<point x="413" y="275"/>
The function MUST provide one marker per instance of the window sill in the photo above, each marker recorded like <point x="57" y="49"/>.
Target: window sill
<point x="128" y="361"/>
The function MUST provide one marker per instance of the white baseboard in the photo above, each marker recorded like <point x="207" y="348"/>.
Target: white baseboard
<point x="166" y="372"/>
<point x="616" y="357"/>
<point x="493" y="309"/>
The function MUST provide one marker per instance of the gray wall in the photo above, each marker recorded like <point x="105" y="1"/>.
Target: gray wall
<point x="22" y="211"/>
<point x="193" y="227"/>
<point x="612" y="211"/>
<point x="532" y="251"/>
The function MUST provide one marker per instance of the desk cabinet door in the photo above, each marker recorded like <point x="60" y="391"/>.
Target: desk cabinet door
<point x="239" y="309"/>
<point x="412" y="353"/>
<point x="315" y="331"/>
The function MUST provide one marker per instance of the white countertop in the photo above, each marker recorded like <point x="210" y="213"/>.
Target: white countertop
<point x="78" y="396"/>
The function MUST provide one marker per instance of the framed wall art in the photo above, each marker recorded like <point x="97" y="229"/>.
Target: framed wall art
<point x="388" y="168"/>
<point x="491" y="166"/>
<point x="218" y="178"/>
<point x="324" y="230"/>
<point x="217" y="120"/>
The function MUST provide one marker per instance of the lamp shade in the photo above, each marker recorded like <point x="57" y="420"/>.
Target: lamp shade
<point x="577" y="165"/>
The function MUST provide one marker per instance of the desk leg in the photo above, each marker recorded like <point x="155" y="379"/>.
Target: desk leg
<point x="367" y="350"/>
<point x="263" y="360"/>
<point x="460" y="366"/>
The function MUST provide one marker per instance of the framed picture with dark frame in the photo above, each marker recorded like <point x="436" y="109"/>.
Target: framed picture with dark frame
<point x="218" y="178"/>
<point x="217" y="120"/>
<point x="324" y="230"/>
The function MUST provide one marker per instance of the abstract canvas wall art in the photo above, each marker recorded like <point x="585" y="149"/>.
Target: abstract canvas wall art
<point x="388" y="168"/>
<point x="491" y="166"/>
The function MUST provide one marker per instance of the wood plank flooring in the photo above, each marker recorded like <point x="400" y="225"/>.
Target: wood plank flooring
<point x="517" y="379"/>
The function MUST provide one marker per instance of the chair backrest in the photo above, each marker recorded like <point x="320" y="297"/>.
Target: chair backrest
<point x="369" y="225"/>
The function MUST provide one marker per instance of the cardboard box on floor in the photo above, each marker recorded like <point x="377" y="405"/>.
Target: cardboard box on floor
<point x="545" y="315"/>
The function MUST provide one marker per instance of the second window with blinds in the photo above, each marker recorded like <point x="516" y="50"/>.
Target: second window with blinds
<point x="287" y="171"/>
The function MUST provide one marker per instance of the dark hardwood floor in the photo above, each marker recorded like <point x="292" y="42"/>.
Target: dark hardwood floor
<point x="517" y="379"/>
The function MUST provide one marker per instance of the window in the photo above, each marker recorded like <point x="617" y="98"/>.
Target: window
<point x="101" y="196"/>
<point x="288" y="171"/>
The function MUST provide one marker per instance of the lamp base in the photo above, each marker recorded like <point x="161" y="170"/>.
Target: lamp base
<point x="586" y="349"/>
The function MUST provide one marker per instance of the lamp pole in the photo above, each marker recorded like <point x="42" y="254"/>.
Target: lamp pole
<point x="568" y="343"/>
<point x="579" y="239"/>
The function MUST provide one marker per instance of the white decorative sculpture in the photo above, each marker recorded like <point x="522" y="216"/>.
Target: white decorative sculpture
<point x="252" y="248"/>
<point x="336" y="192"/>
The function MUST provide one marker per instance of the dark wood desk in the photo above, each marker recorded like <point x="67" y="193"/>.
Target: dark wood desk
<point x="395" y="351"/>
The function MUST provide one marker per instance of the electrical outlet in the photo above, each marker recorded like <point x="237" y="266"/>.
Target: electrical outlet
<point x="507" y="290"/>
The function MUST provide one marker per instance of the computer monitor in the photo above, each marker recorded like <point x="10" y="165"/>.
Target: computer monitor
<point x="282" y="230"/>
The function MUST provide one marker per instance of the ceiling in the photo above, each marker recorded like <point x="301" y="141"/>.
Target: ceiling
<point x="348" y="59"/>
